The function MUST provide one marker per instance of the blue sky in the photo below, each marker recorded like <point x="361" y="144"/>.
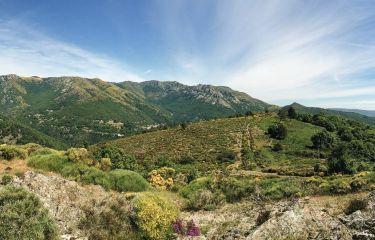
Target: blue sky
<point x="318" y="53"/>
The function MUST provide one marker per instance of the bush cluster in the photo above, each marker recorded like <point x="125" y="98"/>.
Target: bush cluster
<point x="22" y="216"/>
<point x="9" y="152"/>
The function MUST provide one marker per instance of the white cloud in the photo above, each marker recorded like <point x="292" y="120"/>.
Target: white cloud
<point x="27" y="52"/>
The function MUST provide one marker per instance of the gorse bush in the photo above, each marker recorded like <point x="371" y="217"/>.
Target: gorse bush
<point x="154" y="215"/>
<point x="22" y="216"/>
<point x="226" y="155"/>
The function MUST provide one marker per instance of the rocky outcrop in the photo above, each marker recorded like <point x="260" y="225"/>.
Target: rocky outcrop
<point x="64" y="199"/>
<point x="362" y="222"/>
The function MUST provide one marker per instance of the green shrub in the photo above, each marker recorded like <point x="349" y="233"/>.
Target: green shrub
<point x="235" y="189"/>
<point x="22" y="216"/>
<point x="279" y="188"/>
<point x="10" y="152"/>
<point x="31" y="147"/>
<point x="6" y="179"/>
<point x="263" y="216"/>
<point x="355" y="205"/>
<point x="194" y="186"/>
<point x="336" y="186"/>
<point x="78" y="155"/>
<point x="154" y="215"/>
<point x="204" y="199"/>
<point x="128" y="181"/>
<point x="226" y="155"/>
<point x="277" y="147"/>
<point x="54" y="161"/>
<point x="278" y="131"/>
<point x="119" y="159"/>
<point x="322" y="140"/>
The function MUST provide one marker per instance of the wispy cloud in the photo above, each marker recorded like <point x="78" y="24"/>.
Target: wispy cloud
<point x="26" y="52"/>
<point x="280" y="50"/>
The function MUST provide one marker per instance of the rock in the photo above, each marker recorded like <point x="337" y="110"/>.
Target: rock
<point x="302" y="223"/>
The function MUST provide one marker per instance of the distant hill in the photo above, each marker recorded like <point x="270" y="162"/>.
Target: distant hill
<point x="369" y="113"/>
<point x="12" y="132"/>
<point x="350" y="115"/>
<point x="79" y="110"/>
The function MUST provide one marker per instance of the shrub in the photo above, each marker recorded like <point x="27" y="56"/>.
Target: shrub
<point x="6" y="179"/>
<point x="278" y="131"/>
<point x="128" y="181"/>
<point x="226" y="155"/>
<point x="105" y="164"/>
<point x="111" y="221"/>
<point x="292" y="112"/>
<point x="162" y="178"/>
<point x="31" y="147"/>
<point x="355" y="205"/>
<point x="234" y="189"/>
<point x="23" y="216"/>
<point x="54" y="161"/>
<point x="322" y="140"/>
<point x="189" y="229"/>
<point x="204" y="199"/>
<point x="154" y="215"/>
<point x="338" y="161"/>
<point x="10" y="152"/>
<point x="78" y="155"/>
<point x="277" y="147"/>
<point x="263" y="216"/>
<point x="119" y="159"/>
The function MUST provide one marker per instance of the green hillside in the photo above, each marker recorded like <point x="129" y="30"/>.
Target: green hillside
<point x="12" y="132"/>
<point x="207" y="143"/>
<point x="347" y="114"/>
<point x="79" y="110"/>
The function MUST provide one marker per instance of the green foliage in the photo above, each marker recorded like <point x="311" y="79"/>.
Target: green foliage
<point x="278" y="131"/>
<point x="6" y="179"/>
<point x="236" y="189"/>
<point x="277" y="147"/>
<point x="322" y="140"/>
<point x="154" y="215"/>
<point x="78" y="155"/>
<point x="9" y="152"/>
<point x="292" y="113"/>
<point x="355" y="205"/>
<point x="23" y="216"/>
<point x="226" y="155"/>
<point x="119" y="180"/>
<point x="118" y="157"/>
<point x="338" y="161"/>
<point x="128" y="181"/>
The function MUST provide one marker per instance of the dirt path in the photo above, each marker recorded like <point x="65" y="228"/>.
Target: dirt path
<point x="13" y="166"/>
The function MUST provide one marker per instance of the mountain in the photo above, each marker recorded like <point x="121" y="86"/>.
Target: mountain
<point x="79" y="110"/>
<point x="349" y="115"/>
<point x="369" y="113"/>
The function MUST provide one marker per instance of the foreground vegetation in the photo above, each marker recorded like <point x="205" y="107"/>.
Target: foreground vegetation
<point x="202" y="166"/>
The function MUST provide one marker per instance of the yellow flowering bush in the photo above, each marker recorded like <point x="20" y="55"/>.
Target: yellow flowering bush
<point x="154" y="215"/>
<point x="162" y="178"/>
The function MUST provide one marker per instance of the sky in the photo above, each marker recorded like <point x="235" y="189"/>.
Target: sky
<point x="317" y="53"/>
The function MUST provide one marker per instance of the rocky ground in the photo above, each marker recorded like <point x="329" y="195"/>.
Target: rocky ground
<point x="304" y="218"/>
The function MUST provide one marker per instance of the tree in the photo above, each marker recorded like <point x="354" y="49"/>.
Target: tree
<point x="278" y="131"/>
<point x="322" y="140"/>
<point x="338" y="161"/>
<point x="345" y="134"/>
<point x="282" y="114"/>
<point x="292" y="113"/>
